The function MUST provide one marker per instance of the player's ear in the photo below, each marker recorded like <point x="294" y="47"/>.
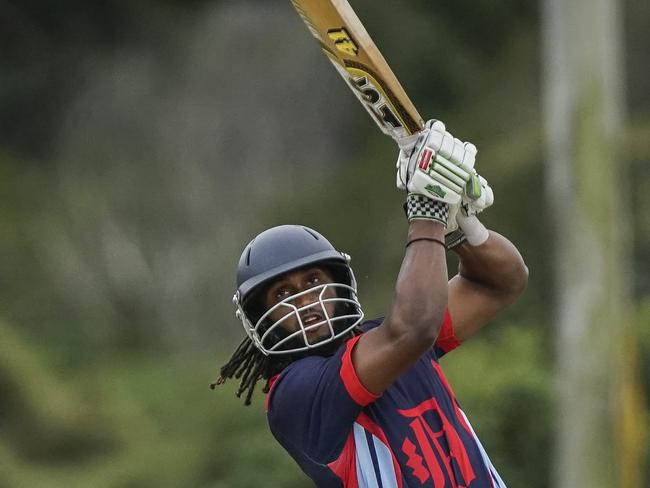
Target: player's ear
<point x="256" y="305"/>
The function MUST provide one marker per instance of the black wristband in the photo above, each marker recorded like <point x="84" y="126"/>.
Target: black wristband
<point x="430" y="239"/>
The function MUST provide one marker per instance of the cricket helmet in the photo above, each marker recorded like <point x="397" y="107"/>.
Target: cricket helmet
<point x="271" y="255"/>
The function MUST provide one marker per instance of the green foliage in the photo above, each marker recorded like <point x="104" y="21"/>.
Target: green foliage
<point x="145" y="422"/>
<point x="45" y="423"/>
<point x="503" y="382"/>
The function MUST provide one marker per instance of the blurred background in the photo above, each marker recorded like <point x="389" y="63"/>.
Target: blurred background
<point x="144" y="143"/>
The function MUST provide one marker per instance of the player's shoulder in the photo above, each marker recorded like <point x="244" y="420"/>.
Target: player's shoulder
<point x="304" y="369"/>
<point x="371" y="324"/>
<point x="295" y="379"/>
<point x="294" y="387"/>
<point x="303" y="366"/>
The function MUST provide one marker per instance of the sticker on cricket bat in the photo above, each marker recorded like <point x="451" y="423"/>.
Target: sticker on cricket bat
<point x="348" y="46"/>
<point x="373" y="97"/>
<point x="365" y="85"/>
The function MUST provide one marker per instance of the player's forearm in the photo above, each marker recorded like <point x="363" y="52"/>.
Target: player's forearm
<point x="434" y="168"/>
<point x="495" y="264"/>
<point x="421" y="288"/>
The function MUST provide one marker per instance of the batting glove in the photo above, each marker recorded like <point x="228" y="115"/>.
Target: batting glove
<point x="436" y="164"/>
<point x="467" y="226"/>
<point x="435" y="168"/>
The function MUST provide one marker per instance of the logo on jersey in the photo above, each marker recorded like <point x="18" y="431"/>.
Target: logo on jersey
<point x="436" y="455"/>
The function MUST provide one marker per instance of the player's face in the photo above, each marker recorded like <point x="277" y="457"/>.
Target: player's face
<point x="314" y="311"/>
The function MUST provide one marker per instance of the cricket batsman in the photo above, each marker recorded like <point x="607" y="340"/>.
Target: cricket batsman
<point x="365" y="403"/>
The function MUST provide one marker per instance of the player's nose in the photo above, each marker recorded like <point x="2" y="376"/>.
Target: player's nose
<point x="306" y="299"/>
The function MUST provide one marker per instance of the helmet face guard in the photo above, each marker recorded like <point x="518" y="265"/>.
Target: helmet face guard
<point x="305" y="320"/>
<point x="330" y="317"/>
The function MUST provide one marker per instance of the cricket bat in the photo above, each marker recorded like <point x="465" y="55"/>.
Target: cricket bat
<point x="355" y="56"/>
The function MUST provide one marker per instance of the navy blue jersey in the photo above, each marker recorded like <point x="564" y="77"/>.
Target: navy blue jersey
<point x="412" y="435"/>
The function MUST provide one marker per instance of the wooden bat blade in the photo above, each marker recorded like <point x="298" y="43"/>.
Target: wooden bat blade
<point x="349" y="47"/>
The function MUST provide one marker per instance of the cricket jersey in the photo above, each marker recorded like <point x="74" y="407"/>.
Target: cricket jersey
<point x="412" y="435"/>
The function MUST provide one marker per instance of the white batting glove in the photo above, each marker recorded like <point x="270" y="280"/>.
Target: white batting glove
<point x="435" y="164"/>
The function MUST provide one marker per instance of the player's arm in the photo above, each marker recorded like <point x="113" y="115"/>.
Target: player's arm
<point x="412" y="323"/>
<point x="491" y="276"/>
<point x="434" y="169"/>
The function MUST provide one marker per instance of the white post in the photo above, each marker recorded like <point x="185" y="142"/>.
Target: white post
<point x="583" y="118"/>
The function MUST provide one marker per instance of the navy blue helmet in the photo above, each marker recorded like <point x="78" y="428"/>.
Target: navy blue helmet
<point x="332" y="311"/>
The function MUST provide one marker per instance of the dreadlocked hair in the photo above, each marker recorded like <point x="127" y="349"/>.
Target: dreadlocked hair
<point x="250" y="365"/>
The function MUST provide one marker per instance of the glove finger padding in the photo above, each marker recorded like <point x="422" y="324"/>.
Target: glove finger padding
<point x="437" y="165"/>
<point x="469" y="156"/>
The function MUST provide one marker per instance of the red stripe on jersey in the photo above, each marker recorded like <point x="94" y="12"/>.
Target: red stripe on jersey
<point x="351" y="381"/>
<point x="445" y="383"/>
<point x="345" y="467"/>
<point x="272" y="381"/>
<point x="447" y="340"/>
<point x="425" y="159"/>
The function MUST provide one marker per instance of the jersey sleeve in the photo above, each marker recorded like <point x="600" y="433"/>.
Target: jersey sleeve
<point x="314" y="403"/>
<point x="447" y="340"/>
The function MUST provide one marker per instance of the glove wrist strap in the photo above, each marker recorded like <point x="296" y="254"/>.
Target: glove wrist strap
<point x="419" y="207"/>
<point x="455" y="238"/>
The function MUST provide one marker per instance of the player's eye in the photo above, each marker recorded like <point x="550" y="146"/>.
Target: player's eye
<point x="314" y="280"/>
<point x="282" y="293"/>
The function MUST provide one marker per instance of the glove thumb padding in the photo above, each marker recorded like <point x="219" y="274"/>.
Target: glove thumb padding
<point x="474" y="230"/>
